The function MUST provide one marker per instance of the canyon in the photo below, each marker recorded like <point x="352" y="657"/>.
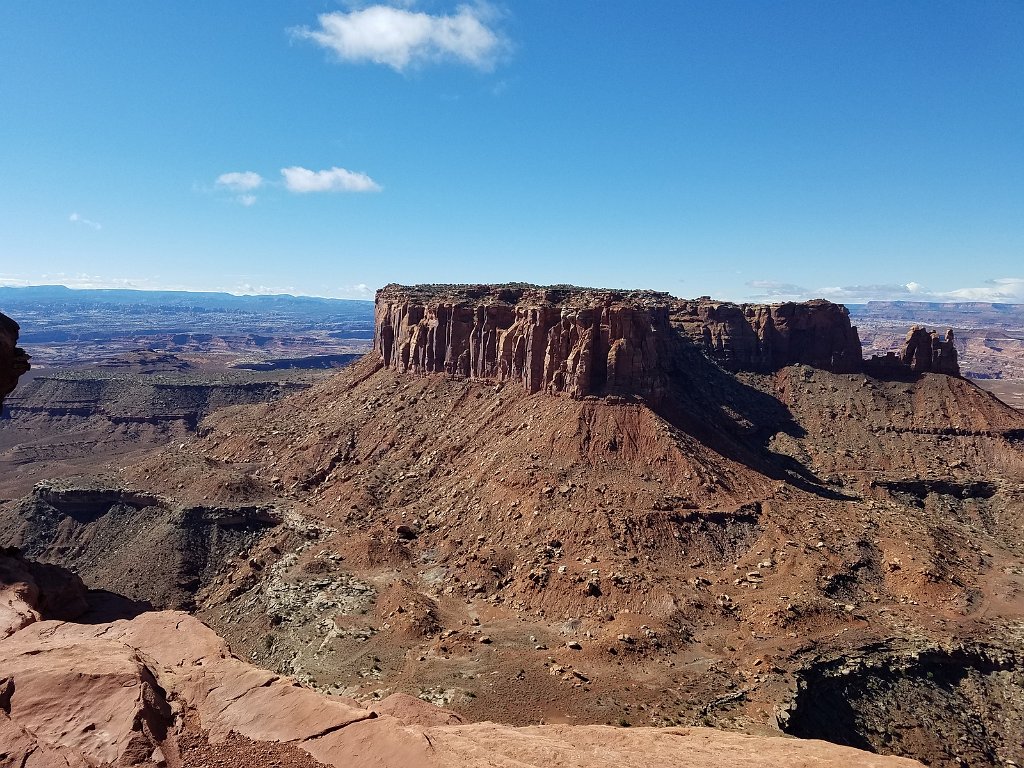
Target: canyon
<point x="62" y="421"/>
<point x="588" y="508"/>
<point x="92" y="678"/>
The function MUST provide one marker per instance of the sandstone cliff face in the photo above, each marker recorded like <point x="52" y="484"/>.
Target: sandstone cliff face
<point x="766" y="337"/>
<point x="924" y="352"/>
<point x="589" y="342"/>
<point x="13" y="360"/>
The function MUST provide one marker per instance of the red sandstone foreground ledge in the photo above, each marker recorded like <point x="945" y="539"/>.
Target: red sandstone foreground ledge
<point x="119" y="693"/>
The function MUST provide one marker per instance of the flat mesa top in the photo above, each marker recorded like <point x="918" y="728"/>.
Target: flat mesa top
<point x="516" y="293"/>
<point x="519" y="293"/>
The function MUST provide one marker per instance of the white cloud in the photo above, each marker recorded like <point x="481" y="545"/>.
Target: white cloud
<point x="74" y="218"/>
<point x="240" y="181"/>
<point x="1007" y="290"/>
<point x="242" y="184"/>
<point x="357" y="291"/>
<point x="399" y="38"/>
<point x="775" y="290"/>
<point x="302" y="180"/>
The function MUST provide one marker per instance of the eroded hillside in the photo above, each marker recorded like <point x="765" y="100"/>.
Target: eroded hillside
<point x="594" y="507"/>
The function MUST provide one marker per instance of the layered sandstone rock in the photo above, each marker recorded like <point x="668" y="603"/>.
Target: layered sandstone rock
<point x="584" y="341"/>
<point x="13" y="360"/>
<point x="766" y="337"/>
<point x="924" y="352"/>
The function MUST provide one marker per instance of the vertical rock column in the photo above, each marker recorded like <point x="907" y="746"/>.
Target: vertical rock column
<point x="13" y="359"/>
<point x="924" y="352"/>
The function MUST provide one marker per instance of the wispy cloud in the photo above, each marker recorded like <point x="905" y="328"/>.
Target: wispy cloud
<point x="241" y="180"/>
<point x="242" y="183"/>
<point x="401" y="38"/>
<point x="241" y="286"/>
<point x="357" y="291"/>
<point x="303" y="180"/>
<point x="250" y="289"/>
<point x="772" y="289"/>
<point x="1009" y="290"/>
<point x="75" y="218"/>
<point x="84" y="280"/>
<point x="875" y="292"/>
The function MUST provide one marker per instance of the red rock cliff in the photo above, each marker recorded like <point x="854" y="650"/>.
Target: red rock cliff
<point x="585" y="341"/>
<point x="924" y="352"/>
<point x="766" y="337"/>
<point x="13" y="360"/>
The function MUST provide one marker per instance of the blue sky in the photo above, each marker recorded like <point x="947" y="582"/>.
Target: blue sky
<point x="747" y="150"/>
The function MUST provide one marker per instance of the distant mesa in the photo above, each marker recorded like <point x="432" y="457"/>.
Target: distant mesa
<point x="586" y="341"/>
<point x="146" y="361"/>
<point x="303" y="362"/>
<point x="13" y="359"/>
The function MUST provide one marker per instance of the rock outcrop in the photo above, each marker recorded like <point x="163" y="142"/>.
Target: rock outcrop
<point x="13" y="359"/>
<point x="138" y="692"/>
<point x="585" y="341"/>
<point x="924" y="352"/>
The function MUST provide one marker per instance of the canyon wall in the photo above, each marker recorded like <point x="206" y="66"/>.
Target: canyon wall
<point x="13" y="360"/>
<point x="586" y="341"/>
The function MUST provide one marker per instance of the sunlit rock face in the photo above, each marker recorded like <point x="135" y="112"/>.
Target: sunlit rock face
<point x="585" y="341"/>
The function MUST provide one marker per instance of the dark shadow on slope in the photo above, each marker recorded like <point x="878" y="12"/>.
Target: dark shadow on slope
<point x="731" y="417"/>
<point x="105" y="606"/>
<point x="943" y="706"/>
<point x="150" y="551"/>
<point x="59" y="594"/>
